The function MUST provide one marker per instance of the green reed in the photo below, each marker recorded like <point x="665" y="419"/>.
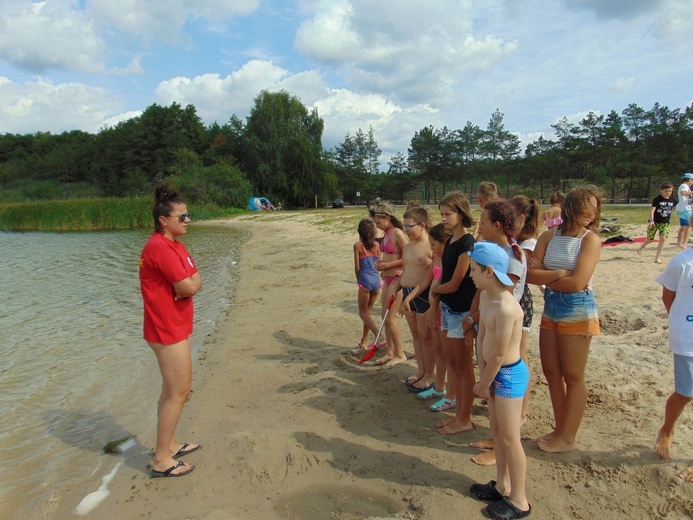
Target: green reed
<point x="89" y="214"/>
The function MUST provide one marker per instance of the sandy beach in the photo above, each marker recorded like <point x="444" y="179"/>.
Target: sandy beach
<point x="293" y="428"/>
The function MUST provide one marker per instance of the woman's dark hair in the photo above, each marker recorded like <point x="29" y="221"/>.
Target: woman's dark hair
<point x="367" y="233"/>
<point x="530" y="209"/>
<point x="439" y="233"/>
<point x="164" y="199"/>
<point x="456" y="201"/>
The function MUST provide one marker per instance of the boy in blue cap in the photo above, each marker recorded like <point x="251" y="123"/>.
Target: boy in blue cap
<point x="503" y="380"/>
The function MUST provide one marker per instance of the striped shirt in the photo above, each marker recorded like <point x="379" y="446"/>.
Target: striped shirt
<point x="562" y="253"/>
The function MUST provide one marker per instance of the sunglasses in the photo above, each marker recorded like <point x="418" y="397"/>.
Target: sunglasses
<point x="408" y="227"/>
<point x="376" y="214"/>
<point x="183" y="216"/>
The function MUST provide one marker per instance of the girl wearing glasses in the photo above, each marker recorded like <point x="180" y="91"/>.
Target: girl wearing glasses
<point x="168" y="281"/>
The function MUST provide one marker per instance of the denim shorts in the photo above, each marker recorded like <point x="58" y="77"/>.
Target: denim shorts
<point x="684" y="217"/>
<point x="570" y="313"/>
<point x="452" y="322"/>
<point x="512" y="381"/>
<point x="683" y="375"/>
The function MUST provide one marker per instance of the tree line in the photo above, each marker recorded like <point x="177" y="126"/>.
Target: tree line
<point x="277" y="152"/>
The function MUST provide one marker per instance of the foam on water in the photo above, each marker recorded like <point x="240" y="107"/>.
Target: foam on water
<point x="92" y="500"/>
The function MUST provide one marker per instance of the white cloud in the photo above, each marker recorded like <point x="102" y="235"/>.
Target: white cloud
<point x="40" y="36"/>
<point x="417" y="51"/>
<point x="119" y="118"/>
<point x="164" y="21"/>
<point x="49" y="107"/>
<point x="217" y="98"/>
<point x="623" y="84"/>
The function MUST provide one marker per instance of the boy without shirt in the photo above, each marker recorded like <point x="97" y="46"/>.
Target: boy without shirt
<point x="415" y="281"/>
<point x="503" y="380"/>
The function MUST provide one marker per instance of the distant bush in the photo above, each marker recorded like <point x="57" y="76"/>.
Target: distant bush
<point x="222" y="184"/>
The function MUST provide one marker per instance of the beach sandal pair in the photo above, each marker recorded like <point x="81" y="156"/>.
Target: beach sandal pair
<point x="168" y="472"/>
<point x="443" y="405"/>
<point x="431" y="393"/>
<point x="500" y="508"/>
<point x="185" y="449"/>
<point x="416" y="389"/>
<point x="504" y="509"/>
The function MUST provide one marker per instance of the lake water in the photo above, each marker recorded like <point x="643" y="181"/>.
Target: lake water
<point x="75" y="372"/>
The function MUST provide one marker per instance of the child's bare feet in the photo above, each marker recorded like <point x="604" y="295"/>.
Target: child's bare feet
<point x="456" y="427"/>
<point x="395" y="360"/>
<point x="639" y="251"/>
<point x="487" y="458"/>
<point x="663" y="444"/>
<point x="444" y="422"/>
<point x="383" y="359"/>
<point x="555" y="445"/>
<point x="658" y="261"/>
<point x="486" y="444"/>
<point x="546" y="437"/>
<point x="687" y="474"/>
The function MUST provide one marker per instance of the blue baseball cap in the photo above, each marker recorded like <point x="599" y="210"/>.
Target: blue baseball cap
<point x="688" y="175"/>
<point x="492" y="255"/>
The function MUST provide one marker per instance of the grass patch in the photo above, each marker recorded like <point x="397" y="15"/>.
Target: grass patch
<point x="91" y="214"/>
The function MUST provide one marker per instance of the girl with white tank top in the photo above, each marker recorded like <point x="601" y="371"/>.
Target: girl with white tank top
<point x="564" y="260"/>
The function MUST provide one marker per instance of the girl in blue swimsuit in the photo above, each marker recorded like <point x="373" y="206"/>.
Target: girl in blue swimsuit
<point x="366" y="253"/>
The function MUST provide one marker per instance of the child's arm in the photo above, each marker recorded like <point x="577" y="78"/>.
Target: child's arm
<point x="584" y="268"/>
<point x="474" y="313"/>
<point x="420" y="287"/>
<point x="434" y="301"/>
<point x="457" y="277"/>
<point x="503" y="323"/>
<point x="668" y="298"/>
<point x="357" y="265"/>
<point x="650" y="222"/>
<point x="536" y="274"/>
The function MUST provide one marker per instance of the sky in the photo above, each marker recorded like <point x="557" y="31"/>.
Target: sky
<point x="396" y="66"/>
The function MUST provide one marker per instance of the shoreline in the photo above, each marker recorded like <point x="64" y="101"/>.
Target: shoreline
<point x="292" y="427"/>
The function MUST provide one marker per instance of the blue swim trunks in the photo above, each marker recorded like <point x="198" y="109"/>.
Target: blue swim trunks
<point x="512" y="380"/>
<point x="684" y="218"/>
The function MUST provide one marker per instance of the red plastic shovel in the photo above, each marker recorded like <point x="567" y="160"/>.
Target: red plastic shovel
<point x="374" y="346"/>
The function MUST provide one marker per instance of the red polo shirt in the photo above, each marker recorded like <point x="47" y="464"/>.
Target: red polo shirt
<point x="164" y="262"/>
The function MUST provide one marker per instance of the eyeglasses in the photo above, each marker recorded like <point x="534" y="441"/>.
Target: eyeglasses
<point x="182" y="217"/>
<point x="408" y="227"/>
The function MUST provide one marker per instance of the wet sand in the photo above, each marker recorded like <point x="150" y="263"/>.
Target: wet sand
<point x="293" y="428"/>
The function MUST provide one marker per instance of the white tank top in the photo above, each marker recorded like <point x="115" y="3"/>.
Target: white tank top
<point x="562" y="253"/>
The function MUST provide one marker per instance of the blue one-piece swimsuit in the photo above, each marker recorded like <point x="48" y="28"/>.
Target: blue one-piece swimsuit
<point x="369" y="277"/>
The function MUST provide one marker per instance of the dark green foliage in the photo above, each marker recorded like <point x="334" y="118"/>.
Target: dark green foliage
<point x="221" y="185"/>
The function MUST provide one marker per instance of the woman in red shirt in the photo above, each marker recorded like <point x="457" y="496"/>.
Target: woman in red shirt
<point x="168" y="281"/>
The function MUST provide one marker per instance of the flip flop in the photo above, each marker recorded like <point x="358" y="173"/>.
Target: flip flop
<point x="159" y="474"/>
<point x="443" y="405"/>
<point x="431" y="393"/>
<point x="418" y="390"/>
<point x="486" y="492"/>
<point x="505" y="509"/>
<point x="184" y="450"/>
